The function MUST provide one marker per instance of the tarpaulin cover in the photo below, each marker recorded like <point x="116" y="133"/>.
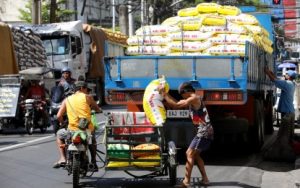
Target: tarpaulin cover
<point x="98" y="37"/>
<point x="8" y="61"/>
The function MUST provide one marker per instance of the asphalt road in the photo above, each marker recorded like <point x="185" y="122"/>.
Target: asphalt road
<point x="26" y="162"/>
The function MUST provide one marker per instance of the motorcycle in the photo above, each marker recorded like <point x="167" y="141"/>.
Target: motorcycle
<point x="77" y="148"/>
<point x="57" y="96"/>
<point x="34" y="115"/>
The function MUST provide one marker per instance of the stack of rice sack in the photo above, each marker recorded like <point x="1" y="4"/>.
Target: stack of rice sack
<point x="123" y="149"/>
<point x="124" y="155"/>
<point x="150" y="40"/>
<point x="211" y="29"/>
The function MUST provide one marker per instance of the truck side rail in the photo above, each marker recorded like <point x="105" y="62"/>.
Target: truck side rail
<point x="126" y="75"/>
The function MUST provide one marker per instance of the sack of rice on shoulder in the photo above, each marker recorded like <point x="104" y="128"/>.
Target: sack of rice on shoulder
<point x="152" y="101"/>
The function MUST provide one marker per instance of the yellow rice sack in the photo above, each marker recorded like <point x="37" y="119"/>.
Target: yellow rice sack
<point x="186" y="12"/>
<point x="152" y="101"/>
<point x="231" y="49"/>
<point x="243" y="19"/>
<point x="116" y="164"/>
<point x="190" y="35"/>
<point x="207" y="7"/>
<point x="191" y="24"/>
<point x="147" y="50"/>
<point x="231" y="39"/>
<point x="229" y="10"/>
<point x="214" y="20"/>
<point x="266" y="40"/>
<point x="148" y="40"/>
<point x="257" y="30"/>
<point x="150" y="163"/>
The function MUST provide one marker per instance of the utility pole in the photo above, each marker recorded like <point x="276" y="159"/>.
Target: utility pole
<point x="36" y="13"/>
<point x="123" y="19"/>
<point x="130" y="19"/>
<point x="113" y="15"/>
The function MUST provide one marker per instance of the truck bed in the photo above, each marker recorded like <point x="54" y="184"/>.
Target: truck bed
<point x="133" y="73"/>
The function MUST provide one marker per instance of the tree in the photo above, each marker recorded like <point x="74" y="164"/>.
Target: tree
<point x="60" y="14"/>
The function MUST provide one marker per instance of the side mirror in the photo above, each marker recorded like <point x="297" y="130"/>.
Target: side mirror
<point x="76" y="46"/>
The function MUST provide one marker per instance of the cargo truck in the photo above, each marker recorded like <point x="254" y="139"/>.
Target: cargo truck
<point x="80" y="47"/>
<point x="238" y="95"/>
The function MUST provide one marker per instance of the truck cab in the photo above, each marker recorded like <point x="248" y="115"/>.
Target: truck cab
<point x="64" y="45"/>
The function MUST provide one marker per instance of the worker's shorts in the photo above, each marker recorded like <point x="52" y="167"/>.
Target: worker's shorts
<point x="200" y="144"/>
<point x="64" y="134"/>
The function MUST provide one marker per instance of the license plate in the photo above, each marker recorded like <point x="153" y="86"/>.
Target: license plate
<point x="177" y="113"/>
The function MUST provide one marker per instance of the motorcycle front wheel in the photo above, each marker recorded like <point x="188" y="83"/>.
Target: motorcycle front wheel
<point x="43" y="126"/>
<point x="76" y="170"/>
<point x="28" y="125"/>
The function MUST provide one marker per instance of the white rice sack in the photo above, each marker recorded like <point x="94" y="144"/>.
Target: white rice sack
<point x="190" y="35"/>
<point x="156" y="30"/>
<point x="148" y="40"/>
<point x="147" y="50"/>
<point x="231" y="49"/>
<point x="174" y="21"/>
<point x="185" y="54"/>
<point x="189" y="46"/>
<point x="231" y="39"/>
<point x="243" y="19"/>
<point x="228" y="28"/>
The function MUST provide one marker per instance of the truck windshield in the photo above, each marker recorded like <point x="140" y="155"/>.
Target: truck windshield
<point x="56" y="46"/>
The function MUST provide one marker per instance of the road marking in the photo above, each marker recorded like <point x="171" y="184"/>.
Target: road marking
<point x="25" y="143"/>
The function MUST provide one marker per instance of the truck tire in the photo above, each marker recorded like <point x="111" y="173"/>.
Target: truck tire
<point x="100" y="93"/>
<point x="257" y="130"/>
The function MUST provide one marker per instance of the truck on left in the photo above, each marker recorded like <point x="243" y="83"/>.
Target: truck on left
<point x="23" y="58"/>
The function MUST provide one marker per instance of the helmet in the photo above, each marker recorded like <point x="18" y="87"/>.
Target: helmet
<point x="292" y="74"/>
<point x="65" y="69"/>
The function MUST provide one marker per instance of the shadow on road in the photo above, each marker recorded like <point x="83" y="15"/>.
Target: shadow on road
<point x="151" y="183"/>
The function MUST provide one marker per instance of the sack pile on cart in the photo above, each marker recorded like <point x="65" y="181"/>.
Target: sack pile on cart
<point x="132" y="141"/>
<point x="207" y="29"/>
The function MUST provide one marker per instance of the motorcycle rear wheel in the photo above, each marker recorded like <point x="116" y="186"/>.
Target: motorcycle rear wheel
<point x="76" y="170"/>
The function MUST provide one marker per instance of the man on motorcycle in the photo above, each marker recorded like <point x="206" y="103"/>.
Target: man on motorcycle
<point x="77" y="105"/>
<point x="66" y="80"/>
<point x="36" y="91"/>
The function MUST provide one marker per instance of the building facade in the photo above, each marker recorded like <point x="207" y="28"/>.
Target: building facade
<point x="9" y="10"/>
